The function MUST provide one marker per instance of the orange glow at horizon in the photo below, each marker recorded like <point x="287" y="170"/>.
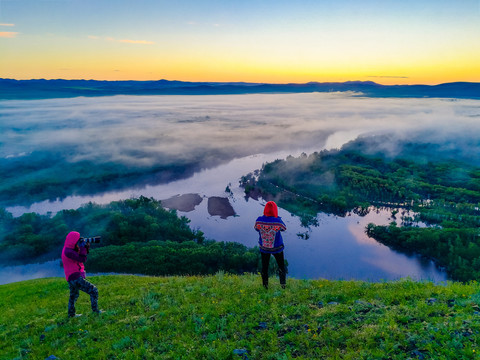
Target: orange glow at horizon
<point x="129" y="68"/>
<point x="427" y="43"/>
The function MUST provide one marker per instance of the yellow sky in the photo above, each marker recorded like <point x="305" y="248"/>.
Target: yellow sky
<point x="277" y="42"/>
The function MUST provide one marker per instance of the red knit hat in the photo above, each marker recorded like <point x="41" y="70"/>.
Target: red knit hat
<point x="270" y="209"/>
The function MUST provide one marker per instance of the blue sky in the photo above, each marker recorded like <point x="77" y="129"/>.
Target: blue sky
<point x="264" y="41"/>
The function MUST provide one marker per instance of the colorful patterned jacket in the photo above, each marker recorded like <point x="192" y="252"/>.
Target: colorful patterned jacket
<point x="269" y="227"/>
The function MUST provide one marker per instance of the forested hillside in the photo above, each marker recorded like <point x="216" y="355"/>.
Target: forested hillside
<point x="138" y="236"/>
<point x="442" y="188"/>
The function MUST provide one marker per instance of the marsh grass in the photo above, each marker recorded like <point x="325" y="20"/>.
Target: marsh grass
<point x="233" y="317"/>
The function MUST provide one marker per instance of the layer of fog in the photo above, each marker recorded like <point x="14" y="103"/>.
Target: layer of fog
<point x="146" y="130"/>
<point x="213" y="129"/>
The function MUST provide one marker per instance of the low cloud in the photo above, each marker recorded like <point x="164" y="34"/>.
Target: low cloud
<point x="156" y="130"/>
<point x="125" y="41"/>
<point x="8" y="34"/>
<point x="144" y="42"/>
<point x="7" y="24"/>
<point x="195" y="23"/>
<point x="388" y="76"/>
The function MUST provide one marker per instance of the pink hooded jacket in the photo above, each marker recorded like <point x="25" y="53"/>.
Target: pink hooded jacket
<point x="73" y="260"/>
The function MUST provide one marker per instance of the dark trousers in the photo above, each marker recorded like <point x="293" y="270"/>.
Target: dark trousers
<point x="85" y="286"/>
<point x="282" y="272"/>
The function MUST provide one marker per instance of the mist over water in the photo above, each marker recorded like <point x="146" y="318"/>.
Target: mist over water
<point x="223" y="137"/>
<point x="9" y="274"/>
<point x="146" y="130"/>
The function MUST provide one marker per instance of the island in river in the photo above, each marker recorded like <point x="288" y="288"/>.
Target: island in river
<point x="161" y="146"/>
<point x="441" y="187"/>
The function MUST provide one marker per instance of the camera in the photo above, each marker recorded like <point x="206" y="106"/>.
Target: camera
<point x="89" y="240"/>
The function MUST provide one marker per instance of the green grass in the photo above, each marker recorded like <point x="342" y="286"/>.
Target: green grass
<point x="233" y="317"/>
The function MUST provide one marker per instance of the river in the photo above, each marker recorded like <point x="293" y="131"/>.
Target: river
<point x="337" y="248"/>
<point x="237" y="134"/>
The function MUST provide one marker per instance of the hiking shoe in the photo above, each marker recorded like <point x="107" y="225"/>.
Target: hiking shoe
<point x="75" y="316"/>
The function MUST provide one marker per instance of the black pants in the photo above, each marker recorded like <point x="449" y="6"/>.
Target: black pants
<point x="85" y="286"/>
<point x="281" y="268"/>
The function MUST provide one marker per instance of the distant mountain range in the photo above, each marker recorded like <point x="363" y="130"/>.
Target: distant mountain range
<point x="11" y="89"/>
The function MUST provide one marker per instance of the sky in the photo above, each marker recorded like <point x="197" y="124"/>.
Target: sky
<point x="272" y="41"/>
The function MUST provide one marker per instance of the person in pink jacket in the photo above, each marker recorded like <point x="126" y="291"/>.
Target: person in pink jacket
<point x="74" y="254"/>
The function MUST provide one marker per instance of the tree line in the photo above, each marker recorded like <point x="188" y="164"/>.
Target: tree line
<point x="443" y="192"/>
<point x="138" y="236"/>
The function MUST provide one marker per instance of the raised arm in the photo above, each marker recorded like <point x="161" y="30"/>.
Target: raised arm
<point x="81" y="256"/>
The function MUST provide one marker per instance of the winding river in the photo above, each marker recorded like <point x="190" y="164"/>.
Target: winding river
<point x="335" y="249"/>
<point x="229" y="136"/>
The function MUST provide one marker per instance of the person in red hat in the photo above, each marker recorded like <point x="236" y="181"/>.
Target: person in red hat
<point x="269" y="227"/>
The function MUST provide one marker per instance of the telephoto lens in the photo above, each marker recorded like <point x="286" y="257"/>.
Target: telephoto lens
<point x="92" y="240"/>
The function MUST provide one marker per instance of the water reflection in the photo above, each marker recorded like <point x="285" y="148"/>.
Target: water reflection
<point x="155" y="129"/>
<point x="9" y="274"/>
<point x="184" y="202"/>
<point x="220" y="206"/>
<point x="337" y="248"/>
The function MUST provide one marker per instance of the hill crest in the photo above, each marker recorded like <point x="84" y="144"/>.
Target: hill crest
<point x="11" y="89"/>
<point x="233" y="317"/>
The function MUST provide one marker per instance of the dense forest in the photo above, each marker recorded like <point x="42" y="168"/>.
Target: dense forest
<point x="26" y="179"/>
<point x="442" y="188"/>
<point x="180" y="258"/>
<point x="138" y="236"/>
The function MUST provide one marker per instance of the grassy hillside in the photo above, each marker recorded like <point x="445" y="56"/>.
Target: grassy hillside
<point x="233" y="317"/>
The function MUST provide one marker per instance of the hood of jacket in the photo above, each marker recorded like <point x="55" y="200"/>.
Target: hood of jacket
<point x="270" y="209"/>
<point x="72" y="239"/>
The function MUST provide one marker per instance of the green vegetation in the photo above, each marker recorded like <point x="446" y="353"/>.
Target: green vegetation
<point x="456" y="249"/>
<point x="138" y="236"/>
<point x="233" y="317"/>
<point x="168" y="257"/>
<point x="134" y="220"/>
<point x="443" y="192"/>
<point x="39" y="176"/>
